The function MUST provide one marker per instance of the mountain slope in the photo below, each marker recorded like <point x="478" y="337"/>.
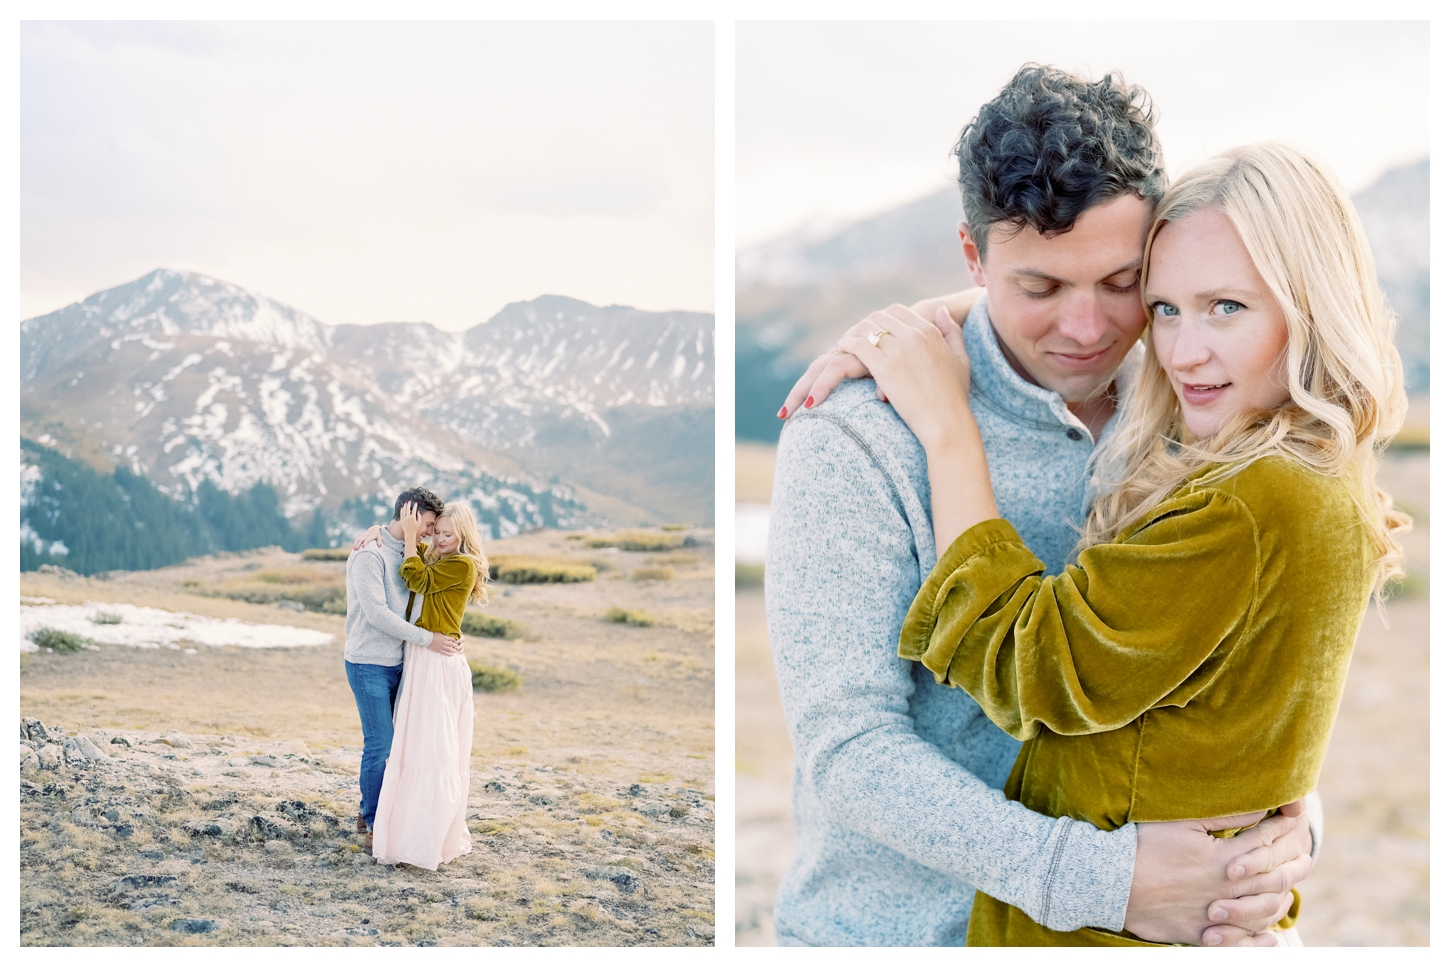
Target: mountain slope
<point x="186" y="379"/>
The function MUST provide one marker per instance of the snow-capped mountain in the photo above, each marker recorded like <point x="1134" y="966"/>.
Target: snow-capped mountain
<point x="186" y="378"/>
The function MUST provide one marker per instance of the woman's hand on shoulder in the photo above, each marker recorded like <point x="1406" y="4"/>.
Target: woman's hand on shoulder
<point x="919" y="368"/>
<point x="827" y="370"/>
<point x="371" y="535"/>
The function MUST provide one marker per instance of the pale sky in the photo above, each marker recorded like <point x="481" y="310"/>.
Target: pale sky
<point x="371" y="172"/>
<point x="837" y="121"/>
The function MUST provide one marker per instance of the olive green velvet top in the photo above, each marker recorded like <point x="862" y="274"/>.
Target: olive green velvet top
<point x="1191" y="668"/>
<point x="445" y="586"/>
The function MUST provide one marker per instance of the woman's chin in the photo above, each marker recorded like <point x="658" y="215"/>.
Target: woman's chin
<point x="1200" y="423"/>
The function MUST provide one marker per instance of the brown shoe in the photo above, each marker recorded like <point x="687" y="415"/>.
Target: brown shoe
<point x="368" y="843"/>
<point x="362" y="826"/>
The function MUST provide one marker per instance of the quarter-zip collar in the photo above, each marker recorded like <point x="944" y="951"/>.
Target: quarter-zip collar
<point x="999" y="385"/>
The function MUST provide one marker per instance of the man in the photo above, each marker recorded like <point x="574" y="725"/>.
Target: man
<point x="377" y="629"/>
<point x="897" y="808"/>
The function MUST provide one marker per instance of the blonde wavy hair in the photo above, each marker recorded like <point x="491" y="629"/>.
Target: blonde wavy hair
<point x="469" y="544"/>
<point x="1346" y="386"/>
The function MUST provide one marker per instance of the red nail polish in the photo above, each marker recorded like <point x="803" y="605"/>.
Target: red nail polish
<point x="810" y="402"/>
<point x="781" y="414"/>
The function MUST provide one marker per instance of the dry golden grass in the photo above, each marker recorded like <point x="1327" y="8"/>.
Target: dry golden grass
<point x="602" y="706"/>
<point x="754" y="471"/>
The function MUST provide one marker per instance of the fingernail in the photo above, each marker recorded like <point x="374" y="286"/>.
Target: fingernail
<point x="810" y="402"/>
<point x="781" y="414"/>
<point x="1212" y="941"/>
<point x="1236" y="872"/>
<point x="1218" y="913"/>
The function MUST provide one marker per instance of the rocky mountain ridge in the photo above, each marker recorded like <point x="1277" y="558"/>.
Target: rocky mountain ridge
<point x="185" y="378"/>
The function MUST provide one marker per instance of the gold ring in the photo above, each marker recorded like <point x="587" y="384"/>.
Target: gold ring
<point x="875" y="338"/>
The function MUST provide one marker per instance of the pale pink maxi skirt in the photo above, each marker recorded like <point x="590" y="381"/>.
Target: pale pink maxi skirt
<point x="424" y="800"/>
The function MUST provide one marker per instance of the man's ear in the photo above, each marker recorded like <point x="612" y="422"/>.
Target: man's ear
<point x="974" y="257"/>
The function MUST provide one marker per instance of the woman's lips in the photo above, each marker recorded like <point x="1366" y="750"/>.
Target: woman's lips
<point x="1202" y="394"/>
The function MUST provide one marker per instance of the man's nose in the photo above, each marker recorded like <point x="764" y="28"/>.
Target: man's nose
<point x="1083" y="320"/>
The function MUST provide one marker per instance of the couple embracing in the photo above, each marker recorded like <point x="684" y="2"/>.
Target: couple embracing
<point x="405" y="663"/>
<point x="1062" y="601"/>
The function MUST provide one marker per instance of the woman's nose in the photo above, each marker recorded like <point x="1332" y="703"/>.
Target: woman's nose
<point x="1190" y="349"/>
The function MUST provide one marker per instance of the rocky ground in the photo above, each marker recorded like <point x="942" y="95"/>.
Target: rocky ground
<point x="208" y="798"/>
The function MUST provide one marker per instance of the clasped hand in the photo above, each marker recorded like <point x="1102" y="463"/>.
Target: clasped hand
<point x="920" y="367"/>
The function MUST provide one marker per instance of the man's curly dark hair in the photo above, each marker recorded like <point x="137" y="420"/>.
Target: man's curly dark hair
<point x="1050" y="146"/>
<point x="426" y="500"/>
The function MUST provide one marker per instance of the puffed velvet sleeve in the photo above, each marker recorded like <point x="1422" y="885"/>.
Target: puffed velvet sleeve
<point x="1142" y="622"/>
<point x="451" y="572"/>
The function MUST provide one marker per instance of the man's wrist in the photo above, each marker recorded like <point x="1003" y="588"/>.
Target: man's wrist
<point x="1092" y="878"/>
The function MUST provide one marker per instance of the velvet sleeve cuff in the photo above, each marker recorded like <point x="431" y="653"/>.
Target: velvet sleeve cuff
<point x="986" y="561"/>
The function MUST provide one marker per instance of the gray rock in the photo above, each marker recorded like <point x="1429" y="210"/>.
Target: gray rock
<point x="624" y="879"/>
<point x="269" y="827"/>
<point x="122" y="741"/>
<point x="89" y="749"/>
<point x="288" y="605"/>
<point x="141" y="881"/>
<point x="49" y="756"/>
<point x="73" y="755"/>
<point x="216" y="828"/>
<point x="300" y="812"/>
<point x="196" y="926"/>
<point x="270" y="761"/>
<point x="652" y="809"/>
<point x="493" y="785"/>
<point x="29" y="761"/>
<point x="176" y="741"/>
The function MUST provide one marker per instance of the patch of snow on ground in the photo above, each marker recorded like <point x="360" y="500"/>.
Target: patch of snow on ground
<point x="143" y="627"/>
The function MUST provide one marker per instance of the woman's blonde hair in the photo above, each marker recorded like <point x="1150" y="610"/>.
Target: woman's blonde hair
<point x="469" y="544"/>
<point x="1346" y="386"/>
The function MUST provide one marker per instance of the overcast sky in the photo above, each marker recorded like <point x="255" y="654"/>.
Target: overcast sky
<point x="836" y="121"/>
<point x="370" y="172"/>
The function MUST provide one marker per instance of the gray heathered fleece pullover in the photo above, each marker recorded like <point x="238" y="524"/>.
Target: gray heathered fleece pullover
<point x="898" y="812"/>
<point x="376" y="597"/>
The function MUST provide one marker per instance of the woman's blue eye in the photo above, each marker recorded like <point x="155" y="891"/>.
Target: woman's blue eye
<point x="1229" y="307"/>
<point x="1164" y="309"/>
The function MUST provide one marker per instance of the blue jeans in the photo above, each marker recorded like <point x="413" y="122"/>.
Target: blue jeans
<point x="375" y="687"/>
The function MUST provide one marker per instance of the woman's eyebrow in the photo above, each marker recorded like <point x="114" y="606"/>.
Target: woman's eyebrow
<point x="1225" y="291"/>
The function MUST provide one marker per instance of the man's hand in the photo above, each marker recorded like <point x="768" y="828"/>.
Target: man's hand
<point x="446" y="646"/>
<point x="1190" y="887"/>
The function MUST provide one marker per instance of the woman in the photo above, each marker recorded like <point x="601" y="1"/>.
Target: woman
<point x="1205" y="631"/>
<point x="424" y="798"/>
